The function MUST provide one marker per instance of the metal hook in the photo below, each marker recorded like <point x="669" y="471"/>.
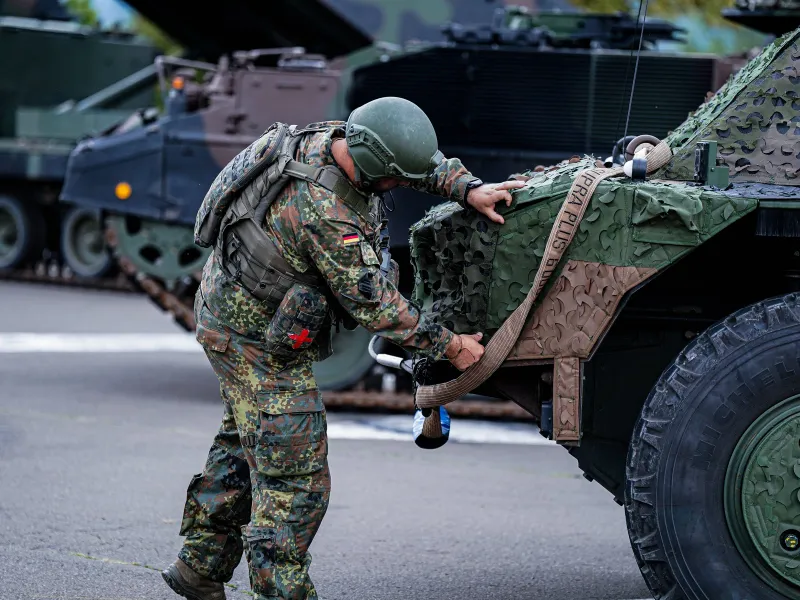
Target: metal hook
<point x="383" y="202"/>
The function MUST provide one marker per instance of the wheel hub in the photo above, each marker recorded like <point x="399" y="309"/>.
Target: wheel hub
<point x="84" y="245"/>
<point x="9" y="234"/>
<point x="762" y="496"/>
<point x="159" y="250"/>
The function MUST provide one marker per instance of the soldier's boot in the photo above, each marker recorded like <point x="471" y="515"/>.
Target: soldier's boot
<point x="190" y="585"/>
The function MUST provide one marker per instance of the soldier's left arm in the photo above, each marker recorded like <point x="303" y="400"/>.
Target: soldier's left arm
<point x="333" y="239"/>
<point x="449" y="179"/>
<point x="452" y="180"/>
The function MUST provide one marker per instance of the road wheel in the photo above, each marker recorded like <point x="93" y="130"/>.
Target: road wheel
<point x="21" y="232"/>
<point x="712" y="495"/>
<point x="83" y="245"/>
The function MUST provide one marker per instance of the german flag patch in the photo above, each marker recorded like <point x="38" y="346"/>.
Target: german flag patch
<point x="350" y="239"/>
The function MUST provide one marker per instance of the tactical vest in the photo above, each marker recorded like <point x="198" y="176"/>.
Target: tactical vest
<point x="232" y="215"/>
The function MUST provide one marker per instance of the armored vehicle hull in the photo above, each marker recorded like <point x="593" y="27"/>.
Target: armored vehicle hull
<point x="648" y="317"/>
<point x="148" y="176"/>
<point x="163" y="167"/>
<point x="523" y="91"/>
<point x="49" y="63"/>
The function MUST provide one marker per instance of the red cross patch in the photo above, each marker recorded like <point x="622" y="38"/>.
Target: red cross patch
<point x="300" y="339"/>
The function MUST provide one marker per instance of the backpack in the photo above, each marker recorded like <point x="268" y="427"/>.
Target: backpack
<point x="274" y="149"/>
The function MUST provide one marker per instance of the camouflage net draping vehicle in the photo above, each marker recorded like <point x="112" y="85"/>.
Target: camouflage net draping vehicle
<point x="664" y="349"/>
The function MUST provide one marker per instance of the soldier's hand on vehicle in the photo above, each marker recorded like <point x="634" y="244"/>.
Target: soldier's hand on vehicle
<point x="484" y="197"/>
<point x="464" y="350"/>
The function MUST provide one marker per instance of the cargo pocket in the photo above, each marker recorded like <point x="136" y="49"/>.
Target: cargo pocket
<point x="294" y="445"/>
<point x="211" y="334"/>
<point x="296" y="323"/>
<point x="263" y="551"/>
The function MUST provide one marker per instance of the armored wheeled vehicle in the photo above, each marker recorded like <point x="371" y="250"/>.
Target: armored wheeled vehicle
<point x="645" y="309"/>
<point x="149" y="175"/>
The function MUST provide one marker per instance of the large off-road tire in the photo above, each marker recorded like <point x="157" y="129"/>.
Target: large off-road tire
<point x="713" y="470"/>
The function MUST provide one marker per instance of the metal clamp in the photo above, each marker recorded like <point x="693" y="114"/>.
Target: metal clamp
<point x="387" y="360"/>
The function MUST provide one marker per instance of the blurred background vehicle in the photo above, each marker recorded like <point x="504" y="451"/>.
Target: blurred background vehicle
<point x="506" y="85"/>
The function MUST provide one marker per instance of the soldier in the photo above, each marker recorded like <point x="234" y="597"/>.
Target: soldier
<point x="270" y="293"/>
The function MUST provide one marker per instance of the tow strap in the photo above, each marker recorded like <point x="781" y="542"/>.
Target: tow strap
<point x="562" y="233"/>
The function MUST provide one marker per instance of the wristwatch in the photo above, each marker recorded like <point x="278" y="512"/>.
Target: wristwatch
<point x="471" y="186"/>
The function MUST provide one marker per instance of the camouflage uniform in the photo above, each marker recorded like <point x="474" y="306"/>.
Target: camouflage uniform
<point x="267" y="470"/>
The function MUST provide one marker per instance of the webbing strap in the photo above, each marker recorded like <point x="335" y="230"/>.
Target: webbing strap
<point x="331" y="180"/>
<point x="567" y="221"/>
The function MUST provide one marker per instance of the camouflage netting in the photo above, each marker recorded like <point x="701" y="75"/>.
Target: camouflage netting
<point x="755" y="118"/>
<point x="471" y="273"/>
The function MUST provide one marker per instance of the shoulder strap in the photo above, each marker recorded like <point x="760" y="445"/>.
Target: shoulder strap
<point x="235" y="177"/>
<point x="279" y="152"/>
<point x="331" y="179"/>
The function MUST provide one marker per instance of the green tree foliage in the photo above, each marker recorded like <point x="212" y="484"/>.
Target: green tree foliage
<point x="83" y="11"/>
<point x="708" y="31"/>
<point x="158" y="38"/>
<point x="709" y="10"/>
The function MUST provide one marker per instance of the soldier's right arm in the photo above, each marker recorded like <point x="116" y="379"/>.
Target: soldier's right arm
<point x="332" y="237"/>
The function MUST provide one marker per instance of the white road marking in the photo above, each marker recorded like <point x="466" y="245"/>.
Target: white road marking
<point x="390" y="427"/>
<point x="398" y="427"/>
<point x="98" y="342"/>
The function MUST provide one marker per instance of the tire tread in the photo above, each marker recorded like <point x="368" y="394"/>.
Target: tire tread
<point x="660" y="409"/>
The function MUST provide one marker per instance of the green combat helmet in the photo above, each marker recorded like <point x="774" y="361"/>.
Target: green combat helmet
<point x="391" y="137"/>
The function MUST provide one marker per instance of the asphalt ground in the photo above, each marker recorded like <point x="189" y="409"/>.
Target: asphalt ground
<point x="97" y="448"/>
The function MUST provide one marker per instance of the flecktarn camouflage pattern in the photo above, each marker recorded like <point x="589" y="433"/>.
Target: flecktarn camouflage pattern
<point x="471" y="274"/>
<point x="229" y="181"/>
<point x="266" y="484"/>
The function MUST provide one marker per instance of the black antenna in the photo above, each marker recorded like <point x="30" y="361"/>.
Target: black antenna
<point x="627" y="73"/>
<point x="386" y="206"/>
<point x="635" y="70"/>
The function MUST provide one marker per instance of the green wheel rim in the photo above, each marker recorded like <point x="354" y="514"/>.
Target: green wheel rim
<point x="762" y="497"/>
<point x="348" y="364"/>
<point x="85" y="249"/>
<point x="164" y="251"/>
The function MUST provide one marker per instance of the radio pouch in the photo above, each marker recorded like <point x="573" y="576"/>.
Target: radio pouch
<point x="297" y="322"/>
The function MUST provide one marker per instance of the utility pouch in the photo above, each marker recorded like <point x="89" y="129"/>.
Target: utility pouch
<point x="296" y="323"/>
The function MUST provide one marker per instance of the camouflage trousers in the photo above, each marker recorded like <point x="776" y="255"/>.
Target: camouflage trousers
<point x="265" y="486"/>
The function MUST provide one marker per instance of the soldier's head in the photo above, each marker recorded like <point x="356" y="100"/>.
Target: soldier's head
<point x="392" y="142"/>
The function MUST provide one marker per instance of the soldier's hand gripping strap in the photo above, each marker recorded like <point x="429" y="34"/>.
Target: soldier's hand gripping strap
<point x="564" y="228"/>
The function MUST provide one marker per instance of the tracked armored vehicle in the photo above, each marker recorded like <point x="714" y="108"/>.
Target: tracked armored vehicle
<point x="527" y="89"/>
<point x="646" y="312"/>
<point x="148" y="174"/>
<point x="50" y="65"/>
